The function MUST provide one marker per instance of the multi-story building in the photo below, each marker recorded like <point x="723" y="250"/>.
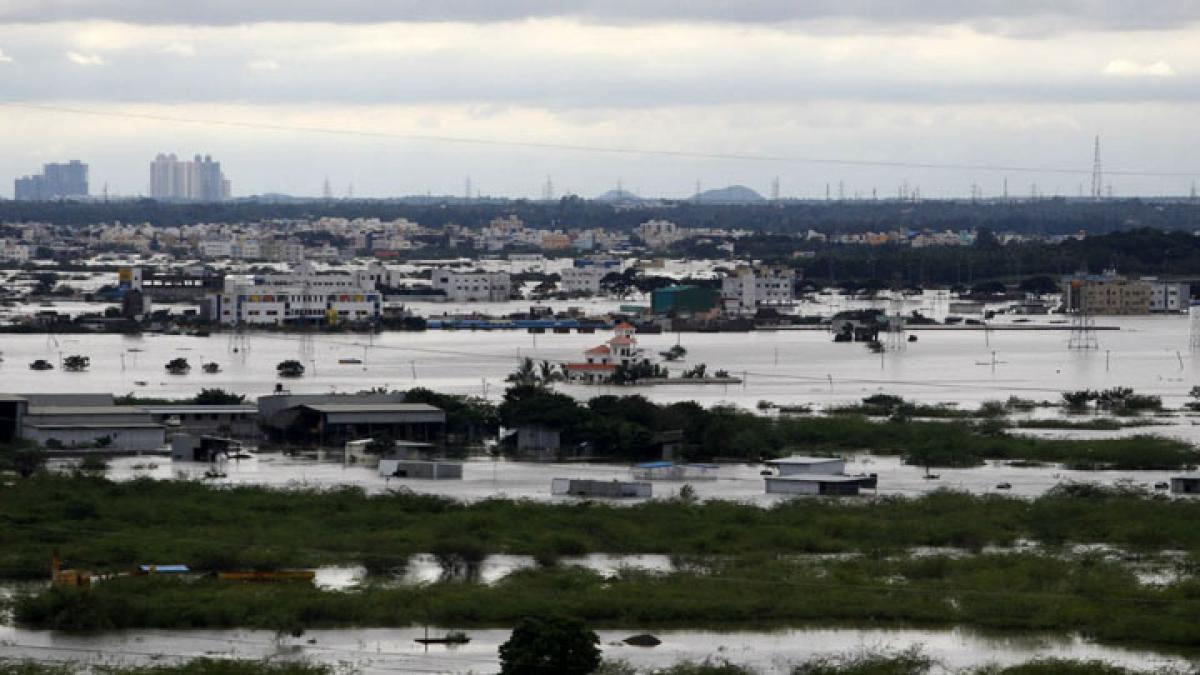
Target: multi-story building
<point x="583" y="279"/>
<point x="14" y="251"/>
<point x="199" y="180"/>
<point x="1107" y="293"/>
<point x="659" y="233"/>
<point x="474" y="286"/>
<point x="1169" y="296"/>
<point x="748" y="288"/>
<point x="297" y="297"/>
<point x="57" y="181"/>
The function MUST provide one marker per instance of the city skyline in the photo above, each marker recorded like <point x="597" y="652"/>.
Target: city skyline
<point x="407" y="99"/>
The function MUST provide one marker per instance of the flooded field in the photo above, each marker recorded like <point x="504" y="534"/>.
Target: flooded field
<point x="394" y="650"/>
<point x="485" y="478"/>
<point x="1149" y="354"/>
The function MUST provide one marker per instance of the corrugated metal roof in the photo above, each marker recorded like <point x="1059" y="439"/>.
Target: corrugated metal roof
<point x="183" y="409"/>
<point x="800" y="459"/>
<point x="372" y="407"/>
<point x="87" y="410"/>
<point x="819" y="478"/>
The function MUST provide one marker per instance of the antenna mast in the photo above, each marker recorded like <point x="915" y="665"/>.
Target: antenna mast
<point x="1097" y="174"/>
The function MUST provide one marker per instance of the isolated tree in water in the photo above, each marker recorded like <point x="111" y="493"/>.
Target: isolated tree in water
<point x="290" y="368"/>
<point x="551" y="645"/>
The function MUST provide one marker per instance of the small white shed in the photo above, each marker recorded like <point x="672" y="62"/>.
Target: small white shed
<point x="798" y="464"/>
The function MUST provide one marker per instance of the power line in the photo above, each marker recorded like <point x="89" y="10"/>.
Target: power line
<point x="616" y="150"/>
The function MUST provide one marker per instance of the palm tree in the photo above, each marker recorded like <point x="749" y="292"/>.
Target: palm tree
<point x="548" y="373"/>
<point x="524" y="374"/>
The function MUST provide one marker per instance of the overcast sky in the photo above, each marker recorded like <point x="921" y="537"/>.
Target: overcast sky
<point x="385" y="88"/>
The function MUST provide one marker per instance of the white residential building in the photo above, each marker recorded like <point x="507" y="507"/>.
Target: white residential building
<point x="218" y="248"/>
<point x="748" y="288"/>
<point x="582" y="279"/>
<point x="475" y="286"/>
<point x="1169" y="296"/>
<point x="14" y="251"/>
<point x="300" y="296"/>
<point x="659" y="233"/>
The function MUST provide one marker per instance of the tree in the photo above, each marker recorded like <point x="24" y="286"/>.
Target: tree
<point x="218" y="397"/>
<point x="1078" y="400"/>
<point x="619" y="284"/>
<point x="551" y="645"/>
<point x="985" y="239"/>
<point x="989" y="288"/>
<point x="530" y="405"/>
<point x="548" y="373"/>
<point x="469" y="417"/>
<point x="290" y="368"/>
<point x="76" y="363"/>
<point x="23" y="457"/>
<point x="1039" y="285"/>
<point x="525" y="374"/>
<point x="178" y="366"/>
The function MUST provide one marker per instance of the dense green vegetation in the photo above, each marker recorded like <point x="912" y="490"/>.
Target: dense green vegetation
<point x="1046" y="216"/>
<point x="213" y="396"/>
<point x="201" y="666"/>
<point x="1026" y="592"/>
<point x="624" y="428"/>
<point x="907" y="662"/>
<point x="21" y="457"/>
<point x="102" y="526"/>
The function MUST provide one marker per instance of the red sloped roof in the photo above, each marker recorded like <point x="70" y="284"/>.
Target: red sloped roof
<point x="602" y="349"/>
<point x="625" y="326"/>
<point x="621" y="340"/>
<point x="591" y="366"/>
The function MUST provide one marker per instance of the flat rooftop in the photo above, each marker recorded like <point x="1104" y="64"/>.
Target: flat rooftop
<point x="371" y="407"/>
<point x="86" y="410"/>
<point x="800" y="459"/>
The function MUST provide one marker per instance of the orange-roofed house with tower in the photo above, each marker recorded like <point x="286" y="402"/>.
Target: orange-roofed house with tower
<point x="601" y="362"/>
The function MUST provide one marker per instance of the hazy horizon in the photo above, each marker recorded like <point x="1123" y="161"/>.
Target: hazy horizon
<point x="408" y="98"/>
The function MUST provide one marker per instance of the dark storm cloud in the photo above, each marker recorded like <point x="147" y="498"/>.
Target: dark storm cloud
<point x="1019" y="16"/>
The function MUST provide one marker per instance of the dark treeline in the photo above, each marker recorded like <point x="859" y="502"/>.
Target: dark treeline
<point x="1050" y="216"/>
<point x="1144" y="251"/>
<point x="624" y="428"/>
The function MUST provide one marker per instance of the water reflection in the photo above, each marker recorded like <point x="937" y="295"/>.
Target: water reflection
<point x="394" y="650"/>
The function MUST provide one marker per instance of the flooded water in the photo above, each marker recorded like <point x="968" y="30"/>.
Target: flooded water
<point x="394" y="650"/>
<point x="424" y="568"/>
<point x="486" y="478"/>
<point x="1149" y="354"/>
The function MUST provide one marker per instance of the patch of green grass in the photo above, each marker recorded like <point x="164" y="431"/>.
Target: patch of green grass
<point x="105" y="526"/>
<point x="1017" y="592"/>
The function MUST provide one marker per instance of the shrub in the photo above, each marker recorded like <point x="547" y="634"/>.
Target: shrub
<point x="550" y="644"/>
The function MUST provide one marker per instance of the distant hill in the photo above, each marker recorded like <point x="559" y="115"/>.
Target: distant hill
<point x="734" y="194"/>
<point x="620" y="197"/>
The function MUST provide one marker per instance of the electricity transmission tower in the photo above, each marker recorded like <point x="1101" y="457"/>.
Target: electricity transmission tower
<point x="1083" y="326"/>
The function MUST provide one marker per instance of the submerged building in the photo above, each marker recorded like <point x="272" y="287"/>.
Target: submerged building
<point x="79" y="422"/>
<point x="302" y="296"/>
